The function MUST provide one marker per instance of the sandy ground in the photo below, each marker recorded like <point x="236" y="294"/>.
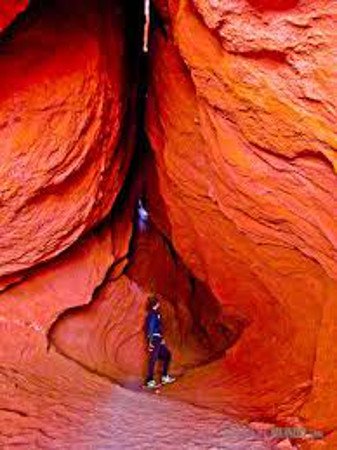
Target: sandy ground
<point x="56" y="404"/>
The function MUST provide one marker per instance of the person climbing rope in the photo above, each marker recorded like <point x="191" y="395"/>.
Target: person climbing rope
<point x="156" y="345"/>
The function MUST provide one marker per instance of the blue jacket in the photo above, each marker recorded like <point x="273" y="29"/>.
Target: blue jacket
<point x="153" y="325"/>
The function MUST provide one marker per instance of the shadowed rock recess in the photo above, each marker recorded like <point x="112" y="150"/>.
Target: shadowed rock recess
<point x="227" y="130"/>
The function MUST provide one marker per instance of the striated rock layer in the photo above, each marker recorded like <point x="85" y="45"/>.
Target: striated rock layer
<point x="241" y="118"/>
<point x="242" y="251"/>
<point x="108" y="335"/>
<point x="64" y="103"/>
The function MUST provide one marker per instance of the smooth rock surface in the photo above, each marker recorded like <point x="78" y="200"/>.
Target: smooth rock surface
<point x="28" y="310"/>
<point x="63" y="106"/>
<point x="241" y="117"/>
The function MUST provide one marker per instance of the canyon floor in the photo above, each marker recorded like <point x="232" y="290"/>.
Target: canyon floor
<point x="58" y="404"/>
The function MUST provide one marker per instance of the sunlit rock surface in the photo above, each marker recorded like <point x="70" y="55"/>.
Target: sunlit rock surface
<point x="63" y="103"/>
<point x="9" y="9"/>
<point x="241" y="117"/>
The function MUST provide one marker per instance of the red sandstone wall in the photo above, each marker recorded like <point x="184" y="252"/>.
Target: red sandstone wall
<point x="108" y="336"/>
<point x="241" y="117"/>
<point x="63" y="103"/>
<point x="67" y="137"/>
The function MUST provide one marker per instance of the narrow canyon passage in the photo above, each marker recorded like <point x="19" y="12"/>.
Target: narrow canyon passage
<point x="220" y="118"/>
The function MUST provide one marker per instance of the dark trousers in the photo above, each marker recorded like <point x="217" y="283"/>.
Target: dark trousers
<point x="160" y="351"/>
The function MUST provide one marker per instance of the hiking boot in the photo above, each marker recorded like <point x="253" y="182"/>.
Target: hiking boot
<point x="166" y="379"/>
<point x="151" y="384"/>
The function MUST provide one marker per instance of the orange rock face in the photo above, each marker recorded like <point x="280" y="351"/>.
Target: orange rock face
<point x="29" y="309"/>
<point x="241" y="117"/>
<point x="9" y="10"/>
<point x="39" y="386"/>
<point x="108" y="336"/>
<point x="241" y="244"/>
<point x="62" y="113"/>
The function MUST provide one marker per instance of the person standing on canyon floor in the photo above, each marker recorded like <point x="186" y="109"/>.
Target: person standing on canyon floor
<point x="156" y="345"/>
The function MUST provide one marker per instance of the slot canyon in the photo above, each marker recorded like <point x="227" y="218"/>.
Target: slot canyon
<point x="223" y="124"/>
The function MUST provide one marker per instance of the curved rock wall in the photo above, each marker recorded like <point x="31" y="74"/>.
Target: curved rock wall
<point x="63" y="105"/>
<point x="241" y="119"/>
<point x="108" y="335"/>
